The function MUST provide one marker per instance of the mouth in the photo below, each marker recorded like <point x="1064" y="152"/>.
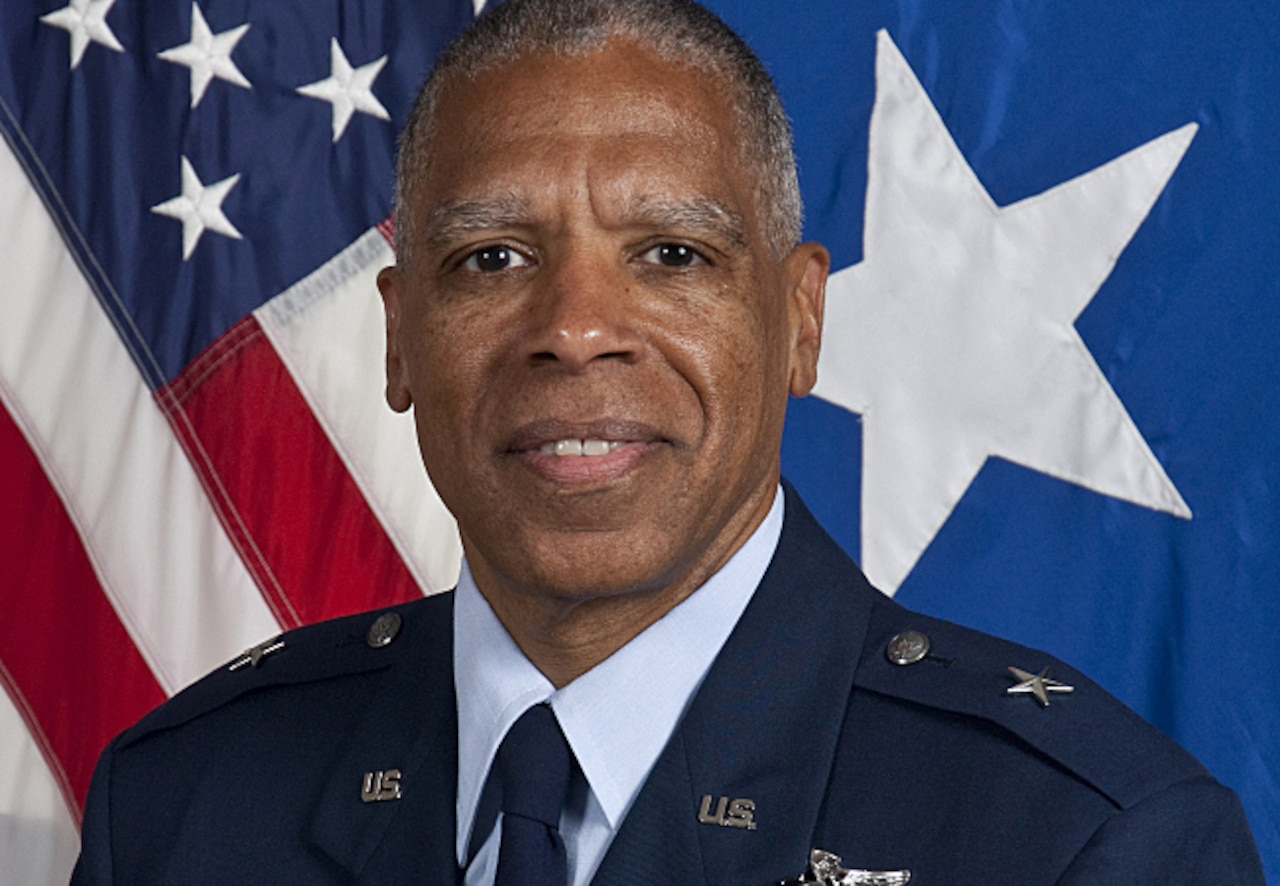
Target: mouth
<point x="572" y="453"/>
<point x="590" y="447"/>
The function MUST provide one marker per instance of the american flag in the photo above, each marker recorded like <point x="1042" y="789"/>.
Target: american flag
<point x="1050" y="395"/>
<point x="195" y="456"/>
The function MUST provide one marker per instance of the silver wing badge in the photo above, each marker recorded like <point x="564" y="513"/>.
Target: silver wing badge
<point x="825" y="869"/>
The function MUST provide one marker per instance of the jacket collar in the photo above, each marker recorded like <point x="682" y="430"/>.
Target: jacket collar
<point x="761" y="730"/>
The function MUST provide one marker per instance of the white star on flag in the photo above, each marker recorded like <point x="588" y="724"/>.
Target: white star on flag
<point x="954" y="337"/>
<point x="208" y="55"/>
<point x="348" y="89"/>
<point x="85" y="21"/>
<point x="199" y="208"/>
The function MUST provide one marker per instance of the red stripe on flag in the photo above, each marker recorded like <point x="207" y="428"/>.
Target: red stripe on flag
<point x="387" y="228"/>
<point x="66" y="660"/>
<point x="302" y="526"/>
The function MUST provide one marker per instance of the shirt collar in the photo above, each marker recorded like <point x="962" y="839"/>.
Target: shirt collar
<point x="618" y="716"/>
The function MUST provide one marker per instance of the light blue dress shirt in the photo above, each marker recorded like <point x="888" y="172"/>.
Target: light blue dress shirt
<point x="617" y="717"/>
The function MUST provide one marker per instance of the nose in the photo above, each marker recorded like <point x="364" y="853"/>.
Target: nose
<point x="584" y="311"/>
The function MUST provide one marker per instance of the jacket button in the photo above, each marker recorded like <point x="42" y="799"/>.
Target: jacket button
<point x="384" y="630"/>
<point x="907" y="648"/>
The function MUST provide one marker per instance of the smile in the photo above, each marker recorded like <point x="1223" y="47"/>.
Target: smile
<point x="572" y="446"/>
<point x="585" y="454"/>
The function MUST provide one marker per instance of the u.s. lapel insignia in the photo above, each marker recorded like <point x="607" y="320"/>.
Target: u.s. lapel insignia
<point x="738" y="813"/>
<point x="384" y="784"/>
<point x="825" y="869"/>
<point x="1037" y="685"/>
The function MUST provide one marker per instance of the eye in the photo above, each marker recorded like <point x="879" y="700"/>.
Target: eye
<point x="494" y="258"/>
<point x="672" y="255"/>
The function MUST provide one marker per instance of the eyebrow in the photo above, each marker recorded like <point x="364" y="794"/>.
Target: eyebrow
<point x="456" y="219"/>
<point x="699" y="215"/>
<point x="453" y="220"/>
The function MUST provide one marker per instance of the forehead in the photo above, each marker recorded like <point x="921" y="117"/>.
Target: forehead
<point x="620" y="113"/>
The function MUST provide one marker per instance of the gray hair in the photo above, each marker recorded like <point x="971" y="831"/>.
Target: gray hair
<point x="679" y="31"/>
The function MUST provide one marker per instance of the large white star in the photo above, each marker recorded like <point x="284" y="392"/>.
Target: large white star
<point x="199" y="208"/>
<point x="208" y="55"/>
<point x="348" y="89"/>
<point x="954" y="337"/>
<point x="85" y="21"/>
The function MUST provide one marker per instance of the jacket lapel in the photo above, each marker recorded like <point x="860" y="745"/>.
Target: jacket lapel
<point x="655" y="820"/>
<point x="760" y="733"/>
<point x="410" y="725"/>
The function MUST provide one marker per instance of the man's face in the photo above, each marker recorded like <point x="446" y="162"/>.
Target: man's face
<point x="596" y="339"/>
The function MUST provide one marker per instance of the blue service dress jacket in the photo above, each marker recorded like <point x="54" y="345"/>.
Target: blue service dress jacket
<point x="804" y="735"/>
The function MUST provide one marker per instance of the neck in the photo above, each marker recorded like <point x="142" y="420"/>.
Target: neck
<point x="564" y="635"/>
<point x="566" y="638"/>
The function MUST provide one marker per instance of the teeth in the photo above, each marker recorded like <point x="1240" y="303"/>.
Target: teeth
<point x="580" y="447"/>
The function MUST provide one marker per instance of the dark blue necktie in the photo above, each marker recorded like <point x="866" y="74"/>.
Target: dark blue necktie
<point x="534" y="764"/>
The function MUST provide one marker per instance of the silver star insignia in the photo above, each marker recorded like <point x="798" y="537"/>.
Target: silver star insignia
<point x="1036" y="684"/>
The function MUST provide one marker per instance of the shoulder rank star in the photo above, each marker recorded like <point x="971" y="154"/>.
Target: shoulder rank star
<point x="1036" y="684"/>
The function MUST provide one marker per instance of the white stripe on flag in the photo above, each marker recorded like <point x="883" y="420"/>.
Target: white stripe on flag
<point x="328" y="330"/>
<point x="38" y="839"/>
<point x="170" y="571"/>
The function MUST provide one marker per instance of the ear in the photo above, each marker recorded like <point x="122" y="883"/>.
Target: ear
<point x="806" y="269"/>
<point x="390" y="284"/>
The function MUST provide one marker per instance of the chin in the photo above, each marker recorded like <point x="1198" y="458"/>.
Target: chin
<point x="598" y="568"/>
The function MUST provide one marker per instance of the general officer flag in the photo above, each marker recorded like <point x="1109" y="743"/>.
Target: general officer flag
<point x="1049" y="388"/>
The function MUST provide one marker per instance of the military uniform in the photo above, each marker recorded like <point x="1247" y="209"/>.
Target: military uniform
<point x="833" y="718"/>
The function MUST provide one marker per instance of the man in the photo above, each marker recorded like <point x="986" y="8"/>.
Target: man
<point x="598" y="312"/>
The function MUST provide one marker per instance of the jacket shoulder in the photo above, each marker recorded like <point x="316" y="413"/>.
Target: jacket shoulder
<point x="1047" y="704"/>
<point x="325" y="650"/>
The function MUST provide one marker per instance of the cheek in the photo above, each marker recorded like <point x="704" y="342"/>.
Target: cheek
<point x="447" y="354"/>
<point x="760" y="382"/>
<point x="734" y="364"/>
